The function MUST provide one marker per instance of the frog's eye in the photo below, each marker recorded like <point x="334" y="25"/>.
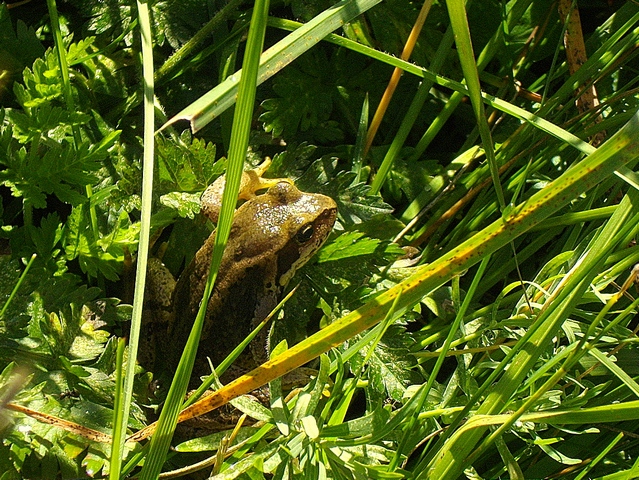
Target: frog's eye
<point x="305" y="233"/>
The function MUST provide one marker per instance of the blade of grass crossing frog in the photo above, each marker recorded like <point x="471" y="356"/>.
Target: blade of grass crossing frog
<point x="622" y="148"/>
<point x="228" y="361"/>
<point x="237" y="154"/>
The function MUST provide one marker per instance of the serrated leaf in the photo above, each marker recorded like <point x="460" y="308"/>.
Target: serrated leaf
<point x="47" y="236"/>
<point x="440" y="303"/>
<point x="187" y="165"/>
<point x="78" y="50"/>
<point x="186" y="204"/>
<point x="388" y="375"/>
<point x="105" y="255"/>
<point x="105" y="16"/>
<point x="303" y="103"/>
<point x="177" y="22"/>
<point x="76" y="370"/>
<point x="390" y="365"/>
<point x="52" y="121"/>
<point x="41" y="82"/>
<point x="19" y="48"/>
<point x="61" y="170"/>
<point x="411" y="180"/>
<point x="354" y="205"/>
<point x="294" y="160"/>
<point x="317" y="176"/>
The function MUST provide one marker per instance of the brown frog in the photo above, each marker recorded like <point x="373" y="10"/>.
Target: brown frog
<point x="272" y="235"/>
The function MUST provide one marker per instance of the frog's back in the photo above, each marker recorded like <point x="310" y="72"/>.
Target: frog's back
<point x="239" y="300"/>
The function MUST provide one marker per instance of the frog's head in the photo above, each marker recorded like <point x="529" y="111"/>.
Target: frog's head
<point x="286" y="225"/>
<point x="310" y="221"/>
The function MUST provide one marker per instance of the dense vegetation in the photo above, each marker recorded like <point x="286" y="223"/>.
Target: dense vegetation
<point x="477" y="289"/>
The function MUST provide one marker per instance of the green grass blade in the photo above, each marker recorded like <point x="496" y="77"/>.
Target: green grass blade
<point x="358" y="153"/>
<point x="452" y="333"/>
<point x="600" y="457"/>
<point x="568" y="293"/>
<point x="68" y="95"/>
<point x="412" y="114"/>
<point x="16" y="287"/>
<point x="189" y="47"/>
<point x="123" y="407"/>
<point x="209" y="106"/>
<point x="453" y="457"/>
<point x="616" y="370"/>
<point x="501" y="105"/>
<point x="619" y="412"/>
<point x="459" y="22"/>
<point x="62" y="59"/>
<point x="119" y="420"/>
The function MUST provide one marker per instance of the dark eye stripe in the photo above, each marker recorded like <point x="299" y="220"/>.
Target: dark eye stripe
<point x="288" y="256"/>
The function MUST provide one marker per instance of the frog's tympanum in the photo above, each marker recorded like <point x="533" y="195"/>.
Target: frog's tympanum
<point x="272" y="235"/>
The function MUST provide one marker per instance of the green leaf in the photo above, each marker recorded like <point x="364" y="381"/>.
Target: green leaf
<point x="212" y="442"/>
<point x="353" y="202"/>
<point x="42" y="82"/>
<point x="358" y="427"/>
<point x="46" y="120"/>
<point x="186" y="204"/>
<point x="187" y="165"/>
<point x="61" y="169"/>
<point x="108" y="16"/>
<point x="389" y="369"/>
<point x="18" y="48"/>
<point x="216" y="101"/>
<point x="106" y="254"/>
<point x="354" y="244"/>
<point x="303" y="104"/>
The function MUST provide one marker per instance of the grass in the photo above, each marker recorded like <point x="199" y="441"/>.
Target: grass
<point x="507" y="348"/>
